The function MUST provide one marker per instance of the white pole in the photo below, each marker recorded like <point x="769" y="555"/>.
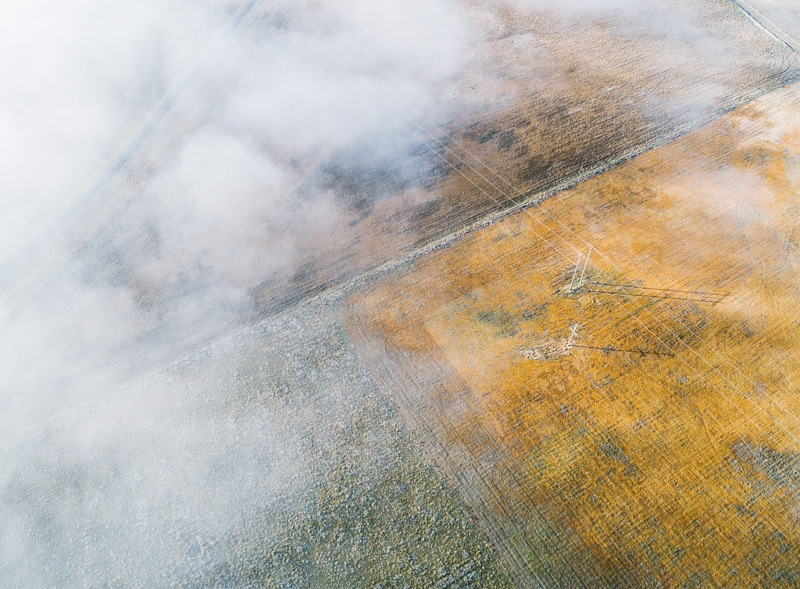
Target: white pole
<point x="572" y="335"/>
<point x="580" y="282"/>
<point x="574" y="274"/>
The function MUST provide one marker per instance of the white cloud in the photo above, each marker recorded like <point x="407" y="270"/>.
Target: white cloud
<point x="214" y="210"/>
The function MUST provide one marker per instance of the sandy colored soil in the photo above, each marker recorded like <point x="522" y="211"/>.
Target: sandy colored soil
<point x="665" y="452"/>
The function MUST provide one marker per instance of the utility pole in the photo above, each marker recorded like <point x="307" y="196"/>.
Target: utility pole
<point x="574" y="274"/>
<point x="580" y="282"/>
<point x="572" y="335"/>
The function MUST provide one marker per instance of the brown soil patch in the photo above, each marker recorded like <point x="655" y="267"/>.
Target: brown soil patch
<point x="548" y="95"/>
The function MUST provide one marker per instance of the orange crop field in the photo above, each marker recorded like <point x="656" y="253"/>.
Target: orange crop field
<point x="608" y="379"/>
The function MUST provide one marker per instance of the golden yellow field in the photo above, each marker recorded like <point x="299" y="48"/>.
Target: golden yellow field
<point x="658" y="446"/>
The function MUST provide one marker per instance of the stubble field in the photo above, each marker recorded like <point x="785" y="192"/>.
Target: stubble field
<point x="658" y="445"/>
